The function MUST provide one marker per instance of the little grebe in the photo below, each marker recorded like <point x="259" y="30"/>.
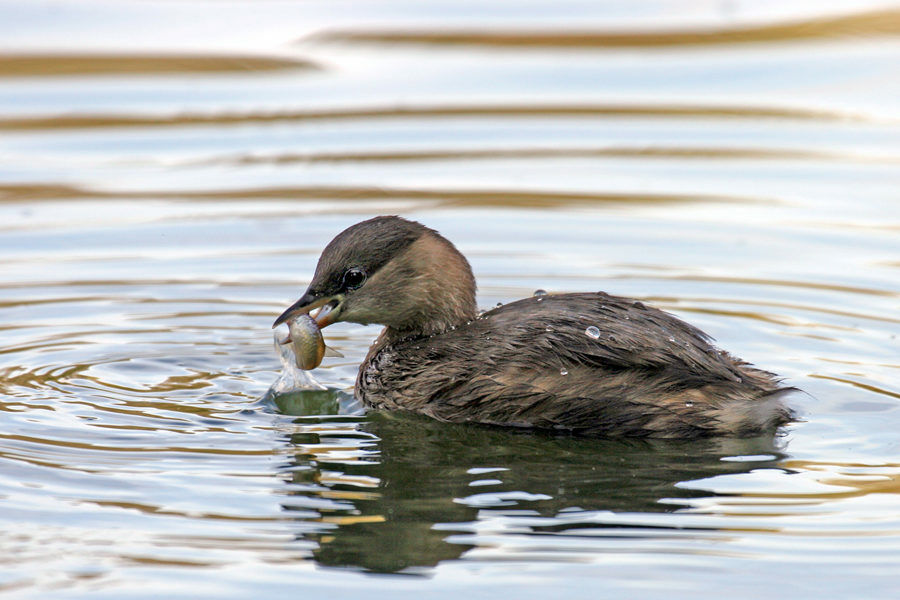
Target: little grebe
<point x="586" y="363"/>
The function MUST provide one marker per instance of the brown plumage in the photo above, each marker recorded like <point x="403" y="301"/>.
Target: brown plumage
<point x="585" y="363"/>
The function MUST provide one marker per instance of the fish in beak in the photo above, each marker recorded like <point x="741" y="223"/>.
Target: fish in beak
<point x="309" y="347"/>
<point x="323" y="310"/>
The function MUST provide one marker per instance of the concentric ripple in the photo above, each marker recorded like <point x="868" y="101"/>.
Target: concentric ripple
<point x="165" y="192"/>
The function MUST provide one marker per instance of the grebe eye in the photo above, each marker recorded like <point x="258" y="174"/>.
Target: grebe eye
<point x="353" y="279"/>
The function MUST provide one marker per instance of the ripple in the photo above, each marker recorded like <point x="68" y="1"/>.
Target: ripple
<point x="881" y="23"/>
<point x="439" y="197"/>
<point x="524" y="111"/>
<point x="751" y="281"/>
<point x="139" y="454"/>
<point x="81" y="64"/>
<point x="142" y="449"/>
<point x="684" y="303"/>
<point x="859" y="384"/>
<point x="814" y="483"/>
<point x="681" y="153"/>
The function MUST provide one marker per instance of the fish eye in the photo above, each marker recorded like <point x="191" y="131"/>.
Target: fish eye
<point x="353" y="278"/>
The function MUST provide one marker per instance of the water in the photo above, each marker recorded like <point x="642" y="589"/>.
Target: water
<point x="169" y="172"/>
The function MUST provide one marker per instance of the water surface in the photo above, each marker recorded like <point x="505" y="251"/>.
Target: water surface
<point x="170" y="171"/>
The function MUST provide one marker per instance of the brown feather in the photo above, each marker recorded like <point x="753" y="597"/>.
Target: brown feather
<point x="648" y="374"/>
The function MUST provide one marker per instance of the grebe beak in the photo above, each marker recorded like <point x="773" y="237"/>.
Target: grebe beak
<point x="329" y="308"/>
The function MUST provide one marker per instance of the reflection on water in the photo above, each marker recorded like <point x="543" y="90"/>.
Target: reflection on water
<point x="429" y="112"/>
<point x="443" y="197"/>
<point x="864" y="25"/>
<point x="388" y="493"/>
<point x="55" y="65"/>
<point x="170" y="171"/>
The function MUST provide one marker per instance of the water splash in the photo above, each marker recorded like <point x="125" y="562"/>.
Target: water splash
<point x="291" y="378"/>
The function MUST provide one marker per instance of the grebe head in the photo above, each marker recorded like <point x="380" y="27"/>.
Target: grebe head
<point x="393" y="272"/>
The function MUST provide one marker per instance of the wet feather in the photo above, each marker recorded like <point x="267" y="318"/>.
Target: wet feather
<point x="647" y="374"/>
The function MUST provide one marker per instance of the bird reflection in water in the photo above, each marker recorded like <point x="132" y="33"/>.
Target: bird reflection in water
<point x="391" y="492"/>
